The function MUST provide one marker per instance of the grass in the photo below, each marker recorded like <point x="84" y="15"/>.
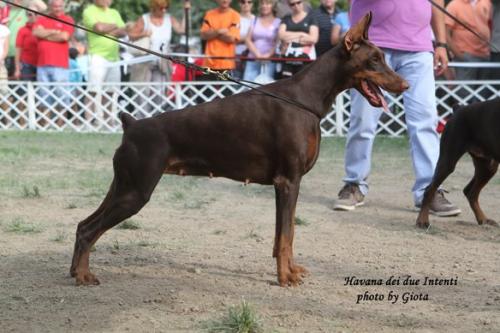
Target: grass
<point x="254" y="235"/>
<point x="196" y="203"/>
<point x="177" y="196"/>
<point x="129" y="225"/>
<point x="19" y="226"/>
<point x="60" y="237"/>
<point x="71" y="205"/>
<point x="54" y="162"/>
<point x="300" y="221"/>
<point x="32" y="193"/>
<point x="238" y="319"/>
<point x="144" y="243"/>
<point x="80" y="164"/>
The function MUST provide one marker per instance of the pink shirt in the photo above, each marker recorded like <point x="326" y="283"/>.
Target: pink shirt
<point x="264" y="38"/>
<point x="397" y="24"/>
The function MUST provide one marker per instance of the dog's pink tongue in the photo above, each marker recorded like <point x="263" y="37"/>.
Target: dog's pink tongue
<point x="384" y="102"/>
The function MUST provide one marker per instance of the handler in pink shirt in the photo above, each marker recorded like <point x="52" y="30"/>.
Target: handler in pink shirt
<point x="403" y="30"/>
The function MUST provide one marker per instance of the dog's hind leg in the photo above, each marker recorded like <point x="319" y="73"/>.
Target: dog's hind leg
<point x="484" y="170"/>
<point x="134" y="182"/>
<point x="451" y="150"/>
<point x="287" y="192"/>
<point x="88" y="220"/>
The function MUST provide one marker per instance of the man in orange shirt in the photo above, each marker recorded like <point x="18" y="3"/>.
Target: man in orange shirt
<point x="221" y="31"/>
<point x="465" y="46"/>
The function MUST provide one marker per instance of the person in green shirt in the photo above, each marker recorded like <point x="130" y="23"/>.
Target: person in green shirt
<point x="103" y="52"/>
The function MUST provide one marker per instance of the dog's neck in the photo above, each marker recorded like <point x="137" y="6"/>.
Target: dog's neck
<point x="325" y="79"/>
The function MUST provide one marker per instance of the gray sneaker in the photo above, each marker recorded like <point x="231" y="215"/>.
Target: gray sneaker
<point x="440" y="206"/>
<point x="349" y="198"/>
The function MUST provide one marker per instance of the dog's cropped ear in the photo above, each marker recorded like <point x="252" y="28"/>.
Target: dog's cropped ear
<point x="357" y="32"/>
<point x="126" y="119"/>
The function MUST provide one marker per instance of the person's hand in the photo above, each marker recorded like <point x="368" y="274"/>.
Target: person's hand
<point x="17" y="74"/>
<point x="268" y="54"/>
<point x="222" y="31"/>
<point x="187" y="4"/>
<point x="440" y="60"/>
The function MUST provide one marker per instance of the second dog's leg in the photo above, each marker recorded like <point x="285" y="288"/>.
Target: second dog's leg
<point x="484" y="170"/>
<point x="287" y="192"/>
<point x="451" y="149"/>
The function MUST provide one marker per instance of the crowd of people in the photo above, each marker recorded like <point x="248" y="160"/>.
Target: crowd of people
<point x="36" y="48"/>
<point x="269" y="42"/>
<point x="265" y="40"/>
<point x="277" y="42"/>
<point x="276" y="30"/>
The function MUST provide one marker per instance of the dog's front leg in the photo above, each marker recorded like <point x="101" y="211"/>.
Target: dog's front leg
<point x="287" y="192"/>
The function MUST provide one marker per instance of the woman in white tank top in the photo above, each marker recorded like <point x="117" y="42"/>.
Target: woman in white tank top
<point x="157" y="25"/>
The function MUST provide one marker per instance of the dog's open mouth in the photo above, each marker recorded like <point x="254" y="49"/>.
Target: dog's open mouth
<point x="373" y="94"/>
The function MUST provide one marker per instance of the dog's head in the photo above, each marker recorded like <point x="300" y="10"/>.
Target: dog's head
<point x="367" y="67"/>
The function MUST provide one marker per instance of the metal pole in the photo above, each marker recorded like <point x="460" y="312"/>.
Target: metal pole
<point x="187" y="12"/>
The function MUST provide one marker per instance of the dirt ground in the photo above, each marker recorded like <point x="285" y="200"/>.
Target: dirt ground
<point x="205" y="244"/>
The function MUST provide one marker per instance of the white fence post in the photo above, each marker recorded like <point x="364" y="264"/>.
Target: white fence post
<point x="339" y="114"/>
<point x="31" y="106"/>
<point x="178" y="96"/>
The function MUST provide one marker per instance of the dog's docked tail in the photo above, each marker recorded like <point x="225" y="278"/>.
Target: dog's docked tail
<point x="126" y="120"/>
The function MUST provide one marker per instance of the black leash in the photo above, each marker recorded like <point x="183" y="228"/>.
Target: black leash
<point x="465" y="25"/>
<point x="223" y="76"/>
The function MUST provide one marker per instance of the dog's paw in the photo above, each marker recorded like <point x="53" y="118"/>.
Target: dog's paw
<point x="297" y="269"/>
<point x="293" y="277"/>
<point x="86" y="279"/>
<point x="423" y="224"/>
<point x="290" y="280"/>
<point x="490" y="222"/>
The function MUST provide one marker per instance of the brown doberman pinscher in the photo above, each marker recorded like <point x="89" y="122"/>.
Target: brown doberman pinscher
<point x="248" y="137"/>
<point x="473" y="129"/>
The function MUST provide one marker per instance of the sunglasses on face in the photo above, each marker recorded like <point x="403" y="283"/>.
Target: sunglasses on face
<point x="246" y="2"/>
<point x="293" y="4"/>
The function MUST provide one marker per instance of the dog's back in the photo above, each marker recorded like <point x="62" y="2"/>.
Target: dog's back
<point x="478" y="125"/>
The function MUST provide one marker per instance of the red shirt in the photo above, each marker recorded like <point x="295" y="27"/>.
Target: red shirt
<point x="54" y="53"/>
<point x="28" y="44"/>
<point x="179" y="71"/>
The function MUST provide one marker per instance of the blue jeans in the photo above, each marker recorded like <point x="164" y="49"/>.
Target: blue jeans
<point x="28" y="72"/>
<point x="254" y="69"/>
<point x="421" y="120"/>
<point x="53" y="74"/>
